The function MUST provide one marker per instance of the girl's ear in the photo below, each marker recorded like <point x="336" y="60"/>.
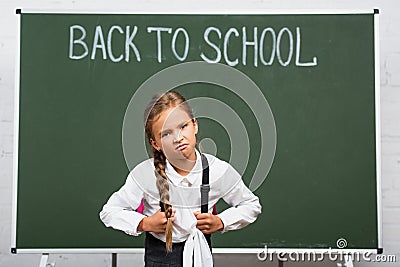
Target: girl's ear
<point x="154" y="144"/>
<point x="196" y="125"/>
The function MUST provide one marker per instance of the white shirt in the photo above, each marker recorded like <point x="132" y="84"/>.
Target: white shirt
<point x="119" y="211"/>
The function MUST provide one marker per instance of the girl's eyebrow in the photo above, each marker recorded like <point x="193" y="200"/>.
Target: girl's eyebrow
<point x="178" y="125"/>
<point x="185" y="122"/>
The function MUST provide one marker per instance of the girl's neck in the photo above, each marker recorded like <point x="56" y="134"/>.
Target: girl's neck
<point x="184" y="167"/>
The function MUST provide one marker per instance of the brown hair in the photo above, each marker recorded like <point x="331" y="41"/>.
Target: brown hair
<point x="158" y="104"/>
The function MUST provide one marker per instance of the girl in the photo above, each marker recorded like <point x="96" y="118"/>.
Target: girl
<point x="175" y="234"/>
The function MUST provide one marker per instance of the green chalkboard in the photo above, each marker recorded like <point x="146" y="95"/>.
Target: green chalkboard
<point x="312" y="74"/>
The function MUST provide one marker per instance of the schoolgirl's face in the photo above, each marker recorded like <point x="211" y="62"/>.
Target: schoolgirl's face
<point x="174" y="133"/>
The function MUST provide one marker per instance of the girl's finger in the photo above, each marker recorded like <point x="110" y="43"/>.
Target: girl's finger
<point x="203" y="227"/>
<point x="202" y="222"/>
<point x="202" y="216"/>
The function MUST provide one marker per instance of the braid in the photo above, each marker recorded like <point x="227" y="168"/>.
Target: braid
<point x="163" y="188"/>
<point x="154" y="108"/>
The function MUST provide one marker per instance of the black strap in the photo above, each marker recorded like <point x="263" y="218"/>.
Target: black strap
<point x="162" y="206"/>
<point x="205" y="187"/>
<point x="204" y="190"/>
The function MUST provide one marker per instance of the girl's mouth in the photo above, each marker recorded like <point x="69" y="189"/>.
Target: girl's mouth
<point x="181" y="147"/>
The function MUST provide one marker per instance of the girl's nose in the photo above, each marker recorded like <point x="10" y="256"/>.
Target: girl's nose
<point x="178" y="137"/>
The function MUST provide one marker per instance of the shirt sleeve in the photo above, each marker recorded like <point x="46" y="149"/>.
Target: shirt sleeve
<point x="119" y="211"/>
<point x="245" y="206"/>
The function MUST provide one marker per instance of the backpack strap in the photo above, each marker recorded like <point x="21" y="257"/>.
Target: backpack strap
<point x="204" y="190"/>
<point x="205" y="186"/>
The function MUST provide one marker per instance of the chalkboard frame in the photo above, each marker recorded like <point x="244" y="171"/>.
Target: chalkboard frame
<point x="14" y="248"/>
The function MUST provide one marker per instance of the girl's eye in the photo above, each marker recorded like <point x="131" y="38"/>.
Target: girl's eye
<point x="184" y="126"/>
<point x="165" y="134"/>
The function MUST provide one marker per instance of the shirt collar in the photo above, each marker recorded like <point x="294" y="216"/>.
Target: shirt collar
<point x="176" y="178"/>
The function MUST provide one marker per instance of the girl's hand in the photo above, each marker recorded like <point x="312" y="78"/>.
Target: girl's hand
<point x="155" y="223"/>
<point x="208" y="223"/>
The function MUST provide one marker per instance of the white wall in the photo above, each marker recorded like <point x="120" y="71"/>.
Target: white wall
<point x="390" y="115"/>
